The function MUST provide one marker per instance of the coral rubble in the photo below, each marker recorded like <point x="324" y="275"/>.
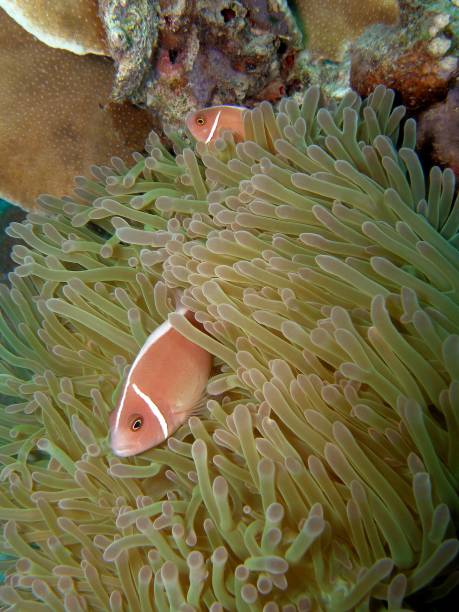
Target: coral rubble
<point x="56" y="116"/>
<point x="323" y="265"/>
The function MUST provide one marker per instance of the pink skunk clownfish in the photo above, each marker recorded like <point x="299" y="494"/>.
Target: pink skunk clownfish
<point x="163" y="387"/>
<point x="206" y="124"/>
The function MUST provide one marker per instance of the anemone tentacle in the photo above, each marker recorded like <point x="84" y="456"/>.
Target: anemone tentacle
<point x="323" y="266"/>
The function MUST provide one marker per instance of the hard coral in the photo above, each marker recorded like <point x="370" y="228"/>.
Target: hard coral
<point x="73" y="25"/>
<point x="331" y="24"/>
<point x="418" y="59"/>
<point x="56" y="119"/>
<point x="323" y="265"/>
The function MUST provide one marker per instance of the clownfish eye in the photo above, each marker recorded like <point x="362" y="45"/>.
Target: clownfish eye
<point x="137" y="424"/>
<point x="200" y="121"/>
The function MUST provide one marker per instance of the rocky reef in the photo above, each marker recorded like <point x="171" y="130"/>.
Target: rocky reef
<point x="223" y="52"/>
<point x="132" y="34"/>
<point x="418" y="58"/>
<point x="236" y="52"/>
<point x="168" y="57"/>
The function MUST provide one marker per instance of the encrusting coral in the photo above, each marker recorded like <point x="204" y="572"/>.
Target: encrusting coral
<point x="324" y="472"/>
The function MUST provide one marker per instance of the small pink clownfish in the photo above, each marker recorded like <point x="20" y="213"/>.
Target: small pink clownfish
<point x="207" y="124"/>
<point x="162" y="389"/>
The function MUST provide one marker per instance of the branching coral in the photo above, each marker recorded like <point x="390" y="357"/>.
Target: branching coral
<point x="324" y="473"/>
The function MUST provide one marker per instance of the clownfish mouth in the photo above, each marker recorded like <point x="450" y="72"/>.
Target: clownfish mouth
<point x="124" y="451"/>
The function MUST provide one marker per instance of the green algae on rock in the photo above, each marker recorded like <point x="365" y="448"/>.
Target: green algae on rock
<point x="323" y="265"/>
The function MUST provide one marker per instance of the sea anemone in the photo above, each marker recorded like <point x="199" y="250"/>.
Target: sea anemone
<point x="323" y="474"/>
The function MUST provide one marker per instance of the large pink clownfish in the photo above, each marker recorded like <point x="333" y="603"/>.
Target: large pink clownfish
<point x="207" y="124"/>
<point x="163" y="387"/>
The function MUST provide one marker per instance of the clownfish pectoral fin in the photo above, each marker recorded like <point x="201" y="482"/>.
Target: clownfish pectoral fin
<point x="200" y="406"/>
<point x="197" y="409"/>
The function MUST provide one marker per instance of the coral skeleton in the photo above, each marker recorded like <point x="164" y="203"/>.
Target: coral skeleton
<point x="323" y="474"/>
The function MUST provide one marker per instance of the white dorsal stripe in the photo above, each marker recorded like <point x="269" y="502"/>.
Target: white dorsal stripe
<point x="152" y="338"/>
<point x="214" y="127"/>
<point x="154" y="409"/>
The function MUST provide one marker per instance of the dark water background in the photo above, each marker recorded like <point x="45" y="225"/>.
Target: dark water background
<point x="8" y="214"/>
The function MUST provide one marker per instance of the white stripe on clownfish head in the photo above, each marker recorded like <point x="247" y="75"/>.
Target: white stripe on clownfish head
<point x="152" y="338"/>
<point x="214" y="127"/>
<point x="154" y="409"/>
